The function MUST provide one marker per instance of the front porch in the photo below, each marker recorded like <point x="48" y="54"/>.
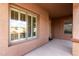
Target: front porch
<point x="56" y="47"/>
<point x="25" y="27"/>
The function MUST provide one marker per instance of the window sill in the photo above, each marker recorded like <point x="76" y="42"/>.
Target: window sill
<point x="12" y="43"/>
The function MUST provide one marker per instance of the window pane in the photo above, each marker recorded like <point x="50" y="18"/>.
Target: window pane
<point x="16" y="15"/>
<point x="18" y="27"/>
<point x="34" y="27"/>
<point x="22" y="33"/>
<point x="14" y="34"/>
<point x="22" y="17"/>
<point x="12" y="14"/>
<point x="68" y="26"/>
<point x="29" y="26"/>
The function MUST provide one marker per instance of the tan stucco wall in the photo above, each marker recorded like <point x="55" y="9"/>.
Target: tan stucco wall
<point x="24" y="47"/>
<point x="76" y="29"/>
<point x="58" y="28"/>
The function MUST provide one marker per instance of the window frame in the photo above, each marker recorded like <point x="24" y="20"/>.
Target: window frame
<point x="19" y="11"/>
<point x="26" y="16"/>
<point x="29" y="38"/>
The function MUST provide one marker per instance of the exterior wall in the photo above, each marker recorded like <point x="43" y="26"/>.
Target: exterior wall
<point x="76" y="29"/>
<point x="58" y="28"/>
<point x="27" y="46"/>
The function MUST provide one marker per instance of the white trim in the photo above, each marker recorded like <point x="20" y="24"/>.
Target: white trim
<point x="17" y="20"/>
<point x="27" y="26"/>
<point x="31" y="38"/>
<point x="36" y="27"/>
<point x="14" y="9"/>
<point x="26" y="32"/>
<point x="17" y="40"/>
<point x="32" y="27"/>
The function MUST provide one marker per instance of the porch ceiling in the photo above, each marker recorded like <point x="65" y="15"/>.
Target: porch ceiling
<point x="56" y="10"/>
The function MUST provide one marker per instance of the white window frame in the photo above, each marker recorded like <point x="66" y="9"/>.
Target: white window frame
<point x="26" y="16"/>
<point x="19" y="39"/>
<point x="32" y="37"/>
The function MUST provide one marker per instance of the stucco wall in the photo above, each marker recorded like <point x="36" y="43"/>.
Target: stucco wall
<point x="58" y="28"/>
<point x="76" y="29"/>
<point x="24" y="47"/>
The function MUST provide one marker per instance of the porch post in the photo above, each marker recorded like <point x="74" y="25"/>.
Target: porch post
<point x="75" y="43"/>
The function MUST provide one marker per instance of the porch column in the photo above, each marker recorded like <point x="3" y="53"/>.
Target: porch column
<point x="75" y="47"/>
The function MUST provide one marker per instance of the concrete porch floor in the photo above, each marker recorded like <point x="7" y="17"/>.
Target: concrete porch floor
<point x="56" y="47"/>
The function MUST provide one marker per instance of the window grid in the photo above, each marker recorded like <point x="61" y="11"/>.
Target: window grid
<point x="26" y="19"/>
<point x="32" y="27"/>
<point x="18" y="19"/>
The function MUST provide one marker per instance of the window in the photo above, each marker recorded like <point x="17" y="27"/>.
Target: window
<point x="32" y="26"/>
<point x="22" y="17"/>
<point x="22" y="25"/>
<point x="14" y="15"/>
<point x="17" y="25"/>
<point x="29" y="26"/>
<point x="68" y="26"/>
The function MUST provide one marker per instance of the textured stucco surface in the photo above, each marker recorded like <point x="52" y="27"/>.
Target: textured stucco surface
<point x="58" y="28"/>
<point x="24" y="47"/>
<point x="76" y="29"/>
